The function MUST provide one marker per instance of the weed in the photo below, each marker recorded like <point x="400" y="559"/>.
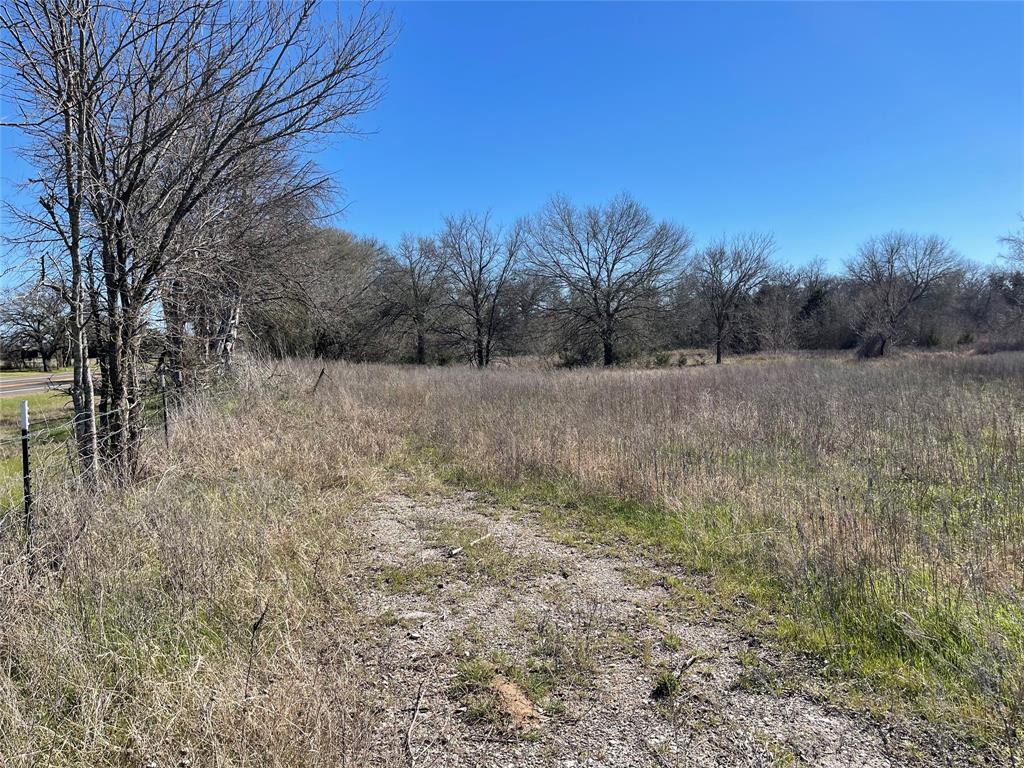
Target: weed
<point x="666" y="685"/>
<point x="672" y="642"/>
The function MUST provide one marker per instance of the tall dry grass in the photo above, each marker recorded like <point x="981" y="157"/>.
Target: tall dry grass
<point x="868" y="512"/>
<point x="205" y="617"/>
<point x="874" y="510"/>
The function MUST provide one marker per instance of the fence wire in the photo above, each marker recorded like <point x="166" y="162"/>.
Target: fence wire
<point x="52" y="441"/>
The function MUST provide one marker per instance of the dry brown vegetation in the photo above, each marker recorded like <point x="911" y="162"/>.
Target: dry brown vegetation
<point x="868" y="514"/>
<point x="874" y="510"/>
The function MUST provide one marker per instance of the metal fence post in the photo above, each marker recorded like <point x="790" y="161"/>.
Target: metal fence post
<point x="27" y="476"/>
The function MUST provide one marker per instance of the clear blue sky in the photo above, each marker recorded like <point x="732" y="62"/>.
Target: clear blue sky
<point x="822" y="122"/>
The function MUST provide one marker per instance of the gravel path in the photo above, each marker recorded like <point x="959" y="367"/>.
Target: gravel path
<point x="587" y="637"/>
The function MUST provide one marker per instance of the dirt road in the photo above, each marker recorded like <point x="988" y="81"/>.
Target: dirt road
<point x="472" y="597"/>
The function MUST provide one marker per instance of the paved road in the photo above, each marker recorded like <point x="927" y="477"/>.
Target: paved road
<point x="20" y="386"/>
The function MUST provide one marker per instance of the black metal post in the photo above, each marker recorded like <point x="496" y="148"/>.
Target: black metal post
<point x="26" y="468"/>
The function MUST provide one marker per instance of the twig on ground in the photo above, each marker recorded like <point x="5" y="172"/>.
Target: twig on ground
<point x="248" y="670"/>
<point x="412" y="724"/>
<point x="323" y="372"/>
<point x="473" y="543"/>
<point x="688" y="663"/>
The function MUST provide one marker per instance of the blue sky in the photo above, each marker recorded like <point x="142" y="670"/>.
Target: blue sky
<point x="821" y="122"/>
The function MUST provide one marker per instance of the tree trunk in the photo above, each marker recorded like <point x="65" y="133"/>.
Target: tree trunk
<point x="122" y="417"/>
<point x="42" y="356"/>
<point x="231" y="337"/>
<point x="174" y="318"/>
<point x="609" y="352"/>
<point x="124" y="406"/>
<point x="718" y="351"/>
<point x="113" y="417"/>
<point x="478" y="351"/>
<point x="83" y="395"/>
<point x="421" y="347"/>
<point x="222" y="343"/>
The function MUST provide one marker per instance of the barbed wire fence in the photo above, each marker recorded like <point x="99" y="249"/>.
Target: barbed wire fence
<point x="49" y="458"/>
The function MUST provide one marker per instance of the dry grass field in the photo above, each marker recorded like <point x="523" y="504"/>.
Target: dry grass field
<point x="808" y="561"/>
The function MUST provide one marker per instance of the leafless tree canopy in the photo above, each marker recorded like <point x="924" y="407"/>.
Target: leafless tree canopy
<point x="893" y="273"/>
<point x="155" y="129"/>
<point x="421" y="300"/>
<point x="412" y="289"/>
<point x="478" y="259"/>
<point x="1013" y="242"/>
<point x="726" y="272"/>
<point x="33" y="320"/>
<point x="610" y="262"/>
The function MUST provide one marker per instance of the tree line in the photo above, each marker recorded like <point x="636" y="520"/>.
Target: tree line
<point x="172" y="209"/>
<point x="606" y="283"/>
<point x="596" y="285"/>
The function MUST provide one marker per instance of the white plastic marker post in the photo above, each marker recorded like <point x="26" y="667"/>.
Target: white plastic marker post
<point x="27" y="474"/>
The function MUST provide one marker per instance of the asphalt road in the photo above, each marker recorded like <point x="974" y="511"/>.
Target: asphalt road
<point x="20" y="386"/>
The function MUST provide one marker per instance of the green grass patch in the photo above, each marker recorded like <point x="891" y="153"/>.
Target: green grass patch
<point x="47" y="414"/>
<point x="420" y="579"/>
<point x="902" y="645"/>
<point x="42" y="406"/>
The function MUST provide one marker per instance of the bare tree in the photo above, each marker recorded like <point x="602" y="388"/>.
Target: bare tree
<point x="1014" y="242"/>
<point x="52" y="76"/>
<point x="774" y="312"/>
<point x="34" y="319"/>
<point x="525" y="325"/>
<point x="317" y="295"/>
<point x="478" y="259"/>
<point x="412" y="285"/>
<point x="610" y="263"/>
<point x="892" y="274"/>
<point x="142" y="119"/>
<point x="726" y="272"/>
<point x="254" y="256"/>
